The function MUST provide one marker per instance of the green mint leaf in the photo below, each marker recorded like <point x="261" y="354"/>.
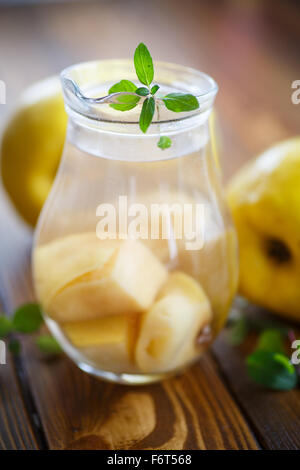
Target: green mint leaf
<point x="239" y="331"/>
<point x="180" y="102"/>
<point x="142" y="91"/>
<point x="125" y="102"/>
<point x="27" y="318"/>
<point x="147" y="114"/>
<point x="272" y="370"/>
<point x="123" y="85"/>
<point x="164" y="142"/>
<point x="14" y="346"/>
<point x="154" y="89"/>
<point x="6" y="326"/>
<point x="48" y="345"/>
<point x="271" y="340"/>
<point x="143" y="64"/>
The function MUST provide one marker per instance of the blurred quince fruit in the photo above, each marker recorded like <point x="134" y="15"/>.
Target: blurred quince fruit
<point x="264" y="197"/>
<point x="32" y="145"/>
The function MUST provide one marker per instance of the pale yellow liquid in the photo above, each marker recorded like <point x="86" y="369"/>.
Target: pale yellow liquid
<point x="149" y="307"/>
<point x="106" y="314"/>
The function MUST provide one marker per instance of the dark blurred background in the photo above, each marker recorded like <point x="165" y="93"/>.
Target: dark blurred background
<point x="251" y="48"/>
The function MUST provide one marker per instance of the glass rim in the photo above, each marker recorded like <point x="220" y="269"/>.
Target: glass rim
<point x="71" y="88"/>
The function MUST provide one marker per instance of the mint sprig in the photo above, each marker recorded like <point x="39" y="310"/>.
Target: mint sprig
<point x="268" y="365"/>
<point x="272" y="370"/>
<point x="126" y="101"/>
<point x="143" y="65"/>
<point x="147" y="113"/>
<point x="130" y="94"/>
<point x="154" y="89"/>
<point x="164" y="142"/>
<point x="142" y="91"/>
<point x="179" y="102"/>
<point x="48" y="345"/>
<point x="26" y="319"/>
<point x="6" y="326"/>
<point x="271" y="340"/>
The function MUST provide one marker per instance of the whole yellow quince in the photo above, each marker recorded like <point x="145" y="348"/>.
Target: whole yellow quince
<point x="264" y="197"/>
<point x="32" y="145"/>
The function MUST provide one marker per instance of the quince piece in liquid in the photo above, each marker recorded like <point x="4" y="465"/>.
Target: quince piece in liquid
<point x="170" y="328"/>
<point x="108" y="342"/>
<point x="125" y="280"/>
<point x="61" y="261"/>
<point x="214" y="266"/>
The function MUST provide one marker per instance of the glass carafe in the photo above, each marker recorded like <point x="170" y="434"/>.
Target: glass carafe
<point x="134" y="259"/>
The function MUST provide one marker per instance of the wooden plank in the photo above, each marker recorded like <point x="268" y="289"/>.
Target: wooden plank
<point x="275" y="416"/>
<point x="16" y="430"/>
<point x="18" y="425"/>
<point x="77" y="411"/>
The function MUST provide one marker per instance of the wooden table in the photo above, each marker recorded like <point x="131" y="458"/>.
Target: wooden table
<point x="252" y="50"/>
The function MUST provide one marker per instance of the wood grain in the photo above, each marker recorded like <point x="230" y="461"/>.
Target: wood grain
<point x="18" y="423"/>
<point x="275" y="416"/>
<point x="16" y="431"/>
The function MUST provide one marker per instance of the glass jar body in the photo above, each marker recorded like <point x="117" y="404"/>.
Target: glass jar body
<point x="134" y="259"/>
